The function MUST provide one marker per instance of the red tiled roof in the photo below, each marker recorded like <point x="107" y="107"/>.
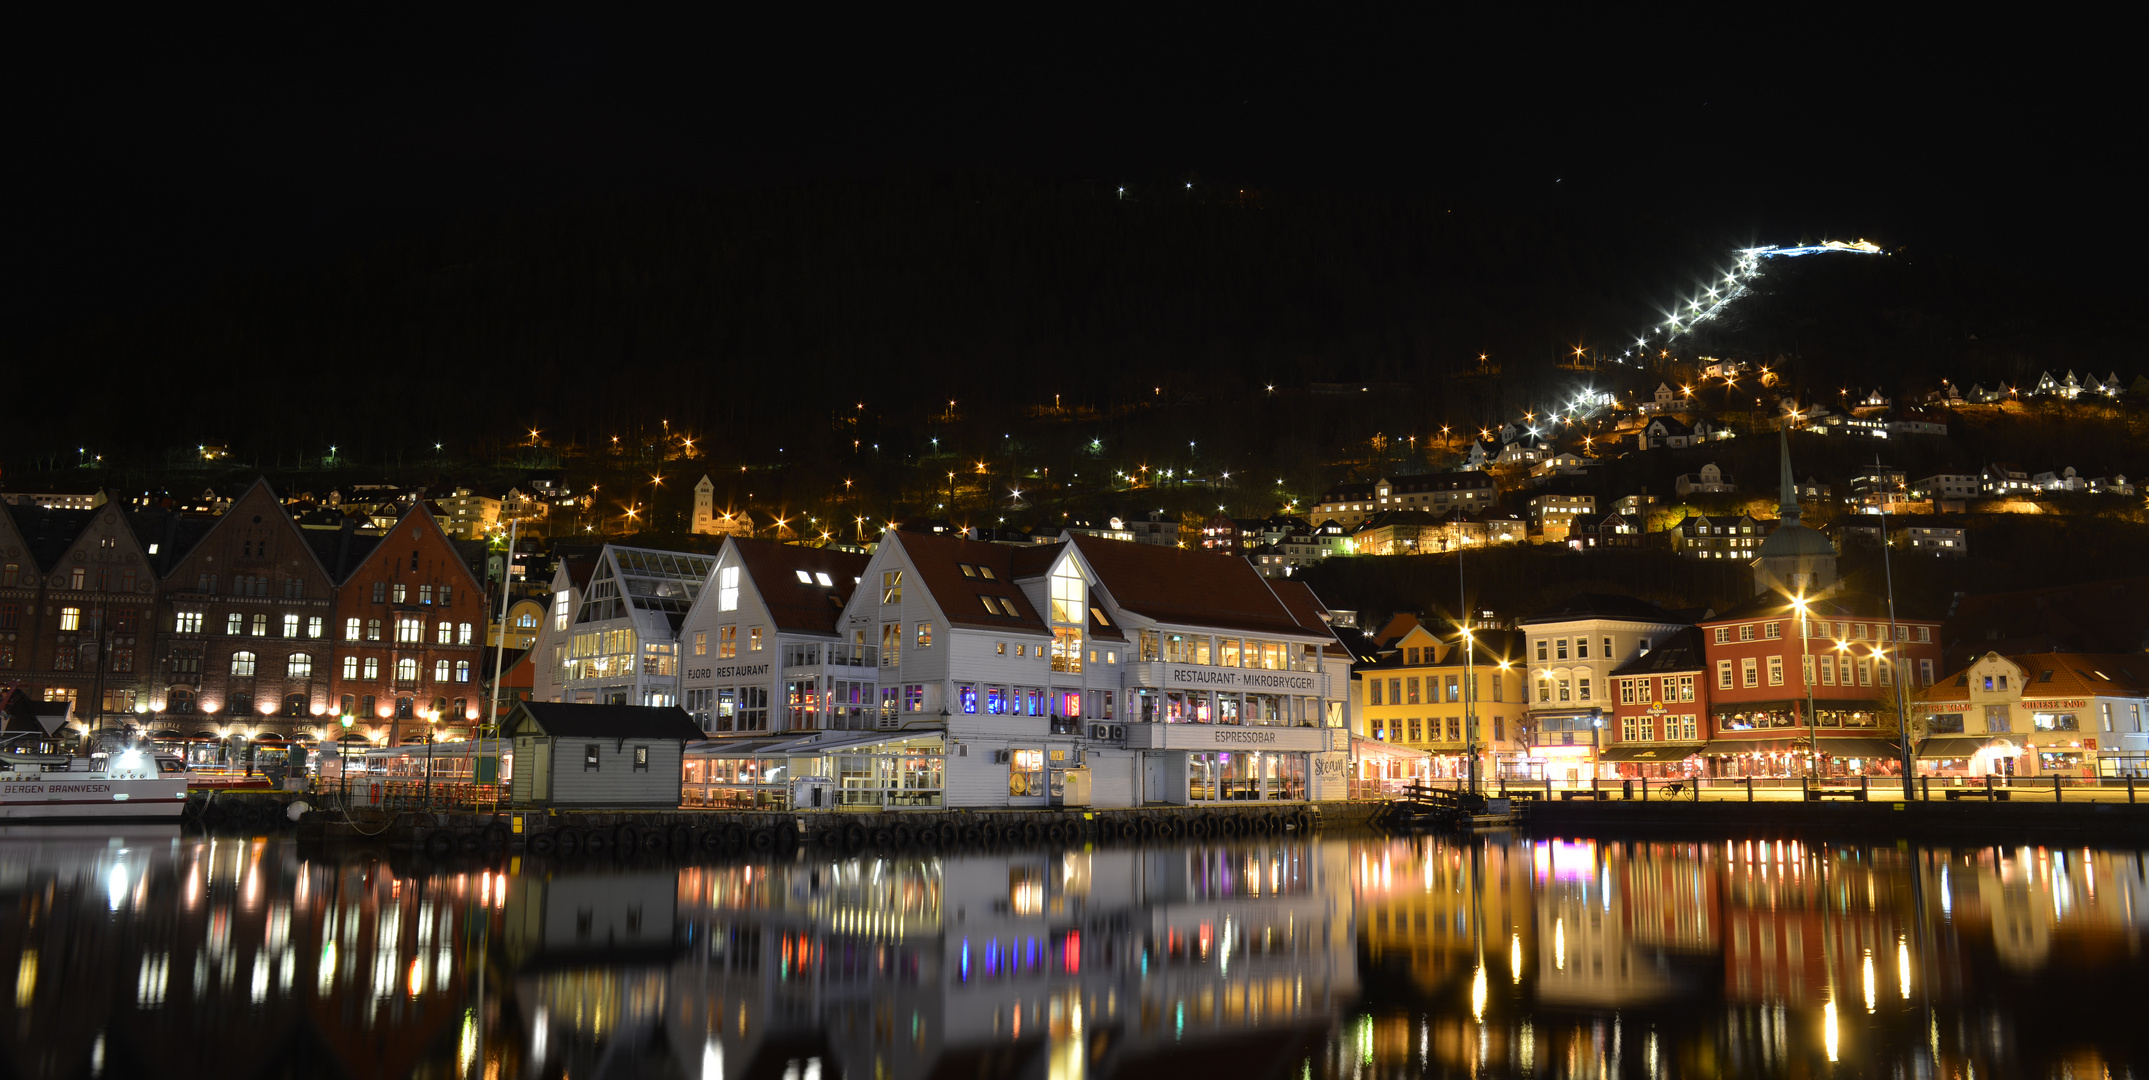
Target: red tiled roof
<point x="937" y="561"/>
<point x="793" y="604"/>
<point x="1191" y="588"/>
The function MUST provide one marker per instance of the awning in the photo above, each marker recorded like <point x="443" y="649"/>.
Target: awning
<point x="1735" y="747"/>
<point x="1659" y="752"/>
<point x="1364" y="747"/>
<point x="738" y="748"/>
<point x="815" y="747"/>
<point x="1859" y="748"/>
<point x="1951" y="747"/>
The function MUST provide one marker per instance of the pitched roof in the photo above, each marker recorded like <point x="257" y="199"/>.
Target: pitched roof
<point x="938" y="560"/>
<point x="609" y="721"/>
<point x="1192" y="588"/>
<point x="48" y="531"/>
<point x="1681" y="652"/>
<point x="795" y="605"/>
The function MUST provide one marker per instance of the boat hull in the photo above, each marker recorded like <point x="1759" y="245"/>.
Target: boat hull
<point x="93" y="800"/>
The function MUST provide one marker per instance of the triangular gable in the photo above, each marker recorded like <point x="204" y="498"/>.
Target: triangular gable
<point x="258" y="500"/>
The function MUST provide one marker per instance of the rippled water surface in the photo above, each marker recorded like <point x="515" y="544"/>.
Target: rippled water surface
<point x="157" y="953"/>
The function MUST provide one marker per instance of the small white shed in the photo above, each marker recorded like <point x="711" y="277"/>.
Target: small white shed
<point x="597" y="757"/>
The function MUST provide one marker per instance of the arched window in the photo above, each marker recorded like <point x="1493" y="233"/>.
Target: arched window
<point x="242" y="664"/>
<point x="261" y="626"/>
<point x="373" y="668"/>
<point x="241" y="705"/>
<point x="440" y="671"/>
<point x="462" y="671"/>
<point x="462" y="633"/>
<point x="295" y="704"/>
<point x="299" y="666"/>
<point x="403" y="710"/>
<point x="446" y="634"/>
<point x="179" y="701"/>
<point x="406" y="669"/>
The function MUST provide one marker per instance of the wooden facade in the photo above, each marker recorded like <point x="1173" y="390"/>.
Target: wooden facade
<point x="597" y="757"/>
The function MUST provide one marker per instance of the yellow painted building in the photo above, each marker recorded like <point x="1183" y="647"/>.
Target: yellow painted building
<point x="1412" y="702"/>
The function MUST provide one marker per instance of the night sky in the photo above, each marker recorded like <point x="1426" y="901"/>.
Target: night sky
<point x="151" y="158"/>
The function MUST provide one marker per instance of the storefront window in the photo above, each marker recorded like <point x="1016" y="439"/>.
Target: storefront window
<point x="1026" y="773"/>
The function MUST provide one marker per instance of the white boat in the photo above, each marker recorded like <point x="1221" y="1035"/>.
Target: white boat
<point x="124" y="785"/>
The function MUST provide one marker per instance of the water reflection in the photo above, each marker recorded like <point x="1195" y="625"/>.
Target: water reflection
<point x="152" y="953"/>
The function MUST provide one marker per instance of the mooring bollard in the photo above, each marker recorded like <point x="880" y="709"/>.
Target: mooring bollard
<point x="2056" y="778"/>
<point x="1865" y="786"/>
<point x="2130" y="787"/>
<point x="1749" y="787"/>
<point x="1925" y="788"/>
<point x="1645" y="789"/>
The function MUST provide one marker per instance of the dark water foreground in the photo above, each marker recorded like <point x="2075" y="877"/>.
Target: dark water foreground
<point x="157" y="953"/>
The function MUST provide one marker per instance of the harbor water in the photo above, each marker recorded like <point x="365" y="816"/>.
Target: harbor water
<point x="165" y="952"/>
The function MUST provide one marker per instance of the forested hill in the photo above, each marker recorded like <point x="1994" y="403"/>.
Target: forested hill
<point x="744" y="312"/>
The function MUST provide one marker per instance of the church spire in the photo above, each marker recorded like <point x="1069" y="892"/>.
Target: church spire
<point x="1789" y="510"/>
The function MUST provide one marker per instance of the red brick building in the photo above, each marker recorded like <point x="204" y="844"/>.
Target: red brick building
<point x="409" y="628"/>
<point x="1758" y="700"/>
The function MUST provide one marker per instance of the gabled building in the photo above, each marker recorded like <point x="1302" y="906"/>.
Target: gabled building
<point x="1608" y="533"/>
<point x="245" y="628"/>
<point x="764" y="648"/>
<point x="570" y="579"/>
<point x="78" y="600"/>
<point x="1163" y="675"/>
<point x="2037" y="714"/>
<point x="2005" y="480"/>
<point x="1665" y="433"/>
<point x="622" y="647"/>
<point x="409" y="628"/>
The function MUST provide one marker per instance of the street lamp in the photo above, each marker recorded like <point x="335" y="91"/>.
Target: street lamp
<point x="1805" y="648"/>
<point x="341" y="770"/>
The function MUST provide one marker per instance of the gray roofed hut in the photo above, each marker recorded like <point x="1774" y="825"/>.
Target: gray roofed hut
<point x="597" y="757"/>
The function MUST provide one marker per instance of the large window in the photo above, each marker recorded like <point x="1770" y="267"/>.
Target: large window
<point x="1070" y="602"/>
<point x="70" y="619"/>
<point x="727" y="589"/>
<point x="291" y="626"/>
<point x="186" y="622"/>
<point x="409" y="630"/>
<point x="373" y="668"/>
<point x="299" y="666"/>
<point x="560" y="611"/>
<point x="1066" y="650"/>
<point x="406" y="669"/>
<point x="261" y="626"/>
<point x="242" y="664"/>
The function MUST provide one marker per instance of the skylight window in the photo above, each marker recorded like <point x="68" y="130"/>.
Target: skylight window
<point x="804" y="578"/>
<point x="823" y="579"/>
<point x="985" y="572"/>
<point x="968" y="570"/>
